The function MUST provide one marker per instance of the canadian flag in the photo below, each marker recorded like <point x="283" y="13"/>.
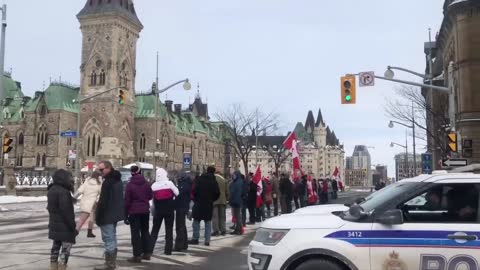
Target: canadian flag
<point x="288" y="143"/>
<point x="336" y="174"/>
<point x="257" y="177"/>
<point x="296" y="158"/>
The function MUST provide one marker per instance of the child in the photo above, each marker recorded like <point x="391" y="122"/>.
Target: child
<point x="61" y="226"/>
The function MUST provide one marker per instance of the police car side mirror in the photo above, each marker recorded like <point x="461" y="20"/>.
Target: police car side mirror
<point x="390" y="217"/>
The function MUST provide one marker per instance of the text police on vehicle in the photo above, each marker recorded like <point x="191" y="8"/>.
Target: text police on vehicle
<point x="430" y="222"/>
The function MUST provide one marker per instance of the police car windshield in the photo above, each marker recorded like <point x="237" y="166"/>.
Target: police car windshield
<point x="390" y="192"/>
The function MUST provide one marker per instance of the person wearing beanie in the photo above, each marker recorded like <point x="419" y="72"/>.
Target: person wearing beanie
<point x="138" y="193"/>
<point x="164" y="193"/>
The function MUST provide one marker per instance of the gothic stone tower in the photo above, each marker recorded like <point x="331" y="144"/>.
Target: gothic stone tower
<point x="110" y="30"/>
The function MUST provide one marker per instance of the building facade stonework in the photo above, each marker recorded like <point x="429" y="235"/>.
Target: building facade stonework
<point x="320" y="150"/>
<point x="122" y="133"/>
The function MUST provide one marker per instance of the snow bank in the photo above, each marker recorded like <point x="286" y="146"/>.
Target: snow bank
<point x="3" y="209"/>
<point x="15" y="199"/>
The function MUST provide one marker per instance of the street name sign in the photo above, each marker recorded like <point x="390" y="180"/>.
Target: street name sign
<point x="454" y="162"/>
<point x="68" y="133"/>
<point x="367" y="78"/>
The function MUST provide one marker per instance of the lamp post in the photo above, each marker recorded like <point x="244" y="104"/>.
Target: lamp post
<point x="79" y="101"/>
<point x="186" y="85"/>
<point x="391" y="125"/>
<point x="392" y="144"/>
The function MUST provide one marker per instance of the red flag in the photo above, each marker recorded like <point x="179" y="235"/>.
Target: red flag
<point x="288" y="143"/>
<point x="296" y="158"/>
<point x="257" y="177"/>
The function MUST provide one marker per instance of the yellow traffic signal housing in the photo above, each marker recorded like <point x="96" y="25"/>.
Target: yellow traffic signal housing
<point x="121" y="97"/>
<point x="348" y="89"/>
<point x="452" y="141"/>
<point x="7" y="144"/>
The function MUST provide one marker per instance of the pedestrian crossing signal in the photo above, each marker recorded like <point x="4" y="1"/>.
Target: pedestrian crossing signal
<point x="348" y="89"/>
<point x="7" y="144"/>
<point x="452" y="141"/>
<point x="121" y="97"/>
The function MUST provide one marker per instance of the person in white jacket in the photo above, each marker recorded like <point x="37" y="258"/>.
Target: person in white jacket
<point x="164" y="193"/>
<point x="90" y="191"/>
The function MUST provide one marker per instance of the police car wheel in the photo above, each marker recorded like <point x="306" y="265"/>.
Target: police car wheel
<point x="316" y="264"/>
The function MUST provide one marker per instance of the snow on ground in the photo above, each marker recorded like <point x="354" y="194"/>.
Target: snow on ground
<point x="3" y="209"/>
<point x="19" y="199"/>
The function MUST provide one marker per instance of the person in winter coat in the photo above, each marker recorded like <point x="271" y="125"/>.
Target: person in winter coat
<point x="182" y="206"/>
<point x="236" y="192"/>
<point x="61" y="225"/>
<point x="275" y="193"/>
<point x="244" y="200"/>
<point x="90" y="192"/>
<point x="252" y="199"/>
<point x="110" y="210"/>
<point x="268" y="187"/>
<point x="302" y="190"/>
<point x="334" y="189"/>
<point x="138" y="194"/>
<point x="219" y="218"/>
<point x="325" y="191"/>
<point x="164" y="193"/>
<point x="286" y="191"/>
<point x="296" y="190"/>
<point x="205" y="193"/>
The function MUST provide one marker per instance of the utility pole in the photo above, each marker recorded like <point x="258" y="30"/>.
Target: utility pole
<point x="157" y="96"/>
<point x="414" y="146"/>
<point x="2" y="52"/>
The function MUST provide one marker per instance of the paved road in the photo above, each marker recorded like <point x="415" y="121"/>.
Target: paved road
<point x="24" y="244"/>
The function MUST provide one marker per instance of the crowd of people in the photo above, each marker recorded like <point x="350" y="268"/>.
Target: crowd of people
<point x="198" y="197"/>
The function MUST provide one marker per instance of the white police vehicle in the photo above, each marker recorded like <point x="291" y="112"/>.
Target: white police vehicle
<point x="430" y="222"/>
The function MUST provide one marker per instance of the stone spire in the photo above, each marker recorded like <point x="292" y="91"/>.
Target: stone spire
<point x="124" y="8"/>
<point x="310" y="122"/>
<point x="319" y="119"/>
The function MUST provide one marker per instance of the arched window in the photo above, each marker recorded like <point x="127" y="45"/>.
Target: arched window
<point x="88" y="146"/>
<point x="93" y="144"/>
<point x="42" y="136"/>
<point x="143" y="142"/>
<point x="38" y="161"/>
<point x="93" y="78"/>
<point x="20" y="139"/>
<point x="44" y="160"/>
<point x="102" y="77"/>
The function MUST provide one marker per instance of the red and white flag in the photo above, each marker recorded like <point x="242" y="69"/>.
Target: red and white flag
<point x="296" y="158"/>
<point x="336" y="175"/>
<point x="257" y="179"/>
<point x="288" y="143"/>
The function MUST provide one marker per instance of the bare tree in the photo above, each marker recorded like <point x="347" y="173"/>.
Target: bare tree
<point x="400" y="110"/>
<point x="279" y="155"/>
<point x="243" y="127"/>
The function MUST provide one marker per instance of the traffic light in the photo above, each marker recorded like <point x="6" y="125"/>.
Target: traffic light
<point x="121" y="97"/>
<point x="347" y="86"/>
<point x="7" y="144"/>
<point x="452" y="142"/>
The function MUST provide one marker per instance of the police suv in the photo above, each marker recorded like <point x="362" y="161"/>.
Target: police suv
<point x="430" y="222"/>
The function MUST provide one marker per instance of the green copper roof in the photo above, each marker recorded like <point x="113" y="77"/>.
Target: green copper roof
<point x="301" y="134"/>
<point x="13" y="89"/>
<point x="60" y="96"/>
<point x="146" y="107"/>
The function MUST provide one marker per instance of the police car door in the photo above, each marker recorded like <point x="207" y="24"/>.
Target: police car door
<point x="432" y="236"/>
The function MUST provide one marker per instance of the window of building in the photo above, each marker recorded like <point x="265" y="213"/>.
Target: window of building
<point x="102" y="77"/>
<point x="20" y="139"/>
<point x="42" y="135"/>
<point x="19" y="161"/>
<point x="93" y="78"/>
<point x="37" y="162"/>
<point x="143" y="142"/>
<point x="43" y="110"/>
<point x="44" y="160"/>
<point x="69" y="141"/>
<point x="93" y="144"/>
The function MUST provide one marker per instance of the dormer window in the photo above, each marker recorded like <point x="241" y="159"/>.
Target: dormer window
<point x="22" y="113"/>
<point x="6" y="113"/>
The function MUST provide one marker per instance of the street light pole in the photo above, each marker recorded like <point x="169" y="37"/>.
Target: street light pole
<point x="414" y="146"/>
<point x="2" y="52"/>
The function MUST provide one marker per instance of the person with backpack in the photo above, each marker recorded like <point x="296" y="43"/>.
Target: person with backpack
<point x="164" y="193"/>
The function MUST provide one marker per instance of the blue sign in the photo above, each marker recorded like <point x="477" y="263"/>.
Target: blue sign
<point x="69" y="133"/>
<point x="187" y="160"/>
<point x="427" y="163"/>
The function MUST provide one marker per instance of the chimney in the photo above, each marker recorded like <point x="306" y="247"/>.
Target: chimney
<point x="168" y="104"/>
<point x="178" y="108"/>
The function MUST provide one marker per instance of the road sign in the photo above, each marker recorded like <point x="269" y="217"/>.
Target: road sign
<point x="187" y="160"/>
<point x="454" y="162"/>
<point x="68" y="133"/>
<point x="367" y="79"/>
<point x="427" y="163"/>
<point x="72" y="154"/>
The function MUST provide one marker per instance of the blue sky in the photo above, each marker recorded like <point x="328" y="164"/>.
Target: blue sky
<point x="280" y="55"/>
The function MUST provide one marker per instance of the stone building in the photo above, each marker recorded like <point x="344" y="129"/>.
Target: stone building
<point x="457" y="42"/>
<point x="359" y="172"/>
<point x="319" y="149"/>
<point x="122" y="133"/>
<point x="404" y="167"/>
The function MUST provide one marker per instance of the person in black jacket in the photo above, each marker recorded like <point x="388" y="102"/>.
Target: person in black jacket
<point x="302" y="191"/>
<point x="182" y="206"/>
<point x="286" y="191"/>
<point x="110" y="210"/>
<point x="251" y="199"/>
<point x="61" y="225"/>
<point x="206" y="192"/>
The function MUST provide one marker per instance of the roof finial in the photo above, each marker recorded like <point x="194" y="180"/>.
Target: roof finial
<point x="198" y="91"/>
